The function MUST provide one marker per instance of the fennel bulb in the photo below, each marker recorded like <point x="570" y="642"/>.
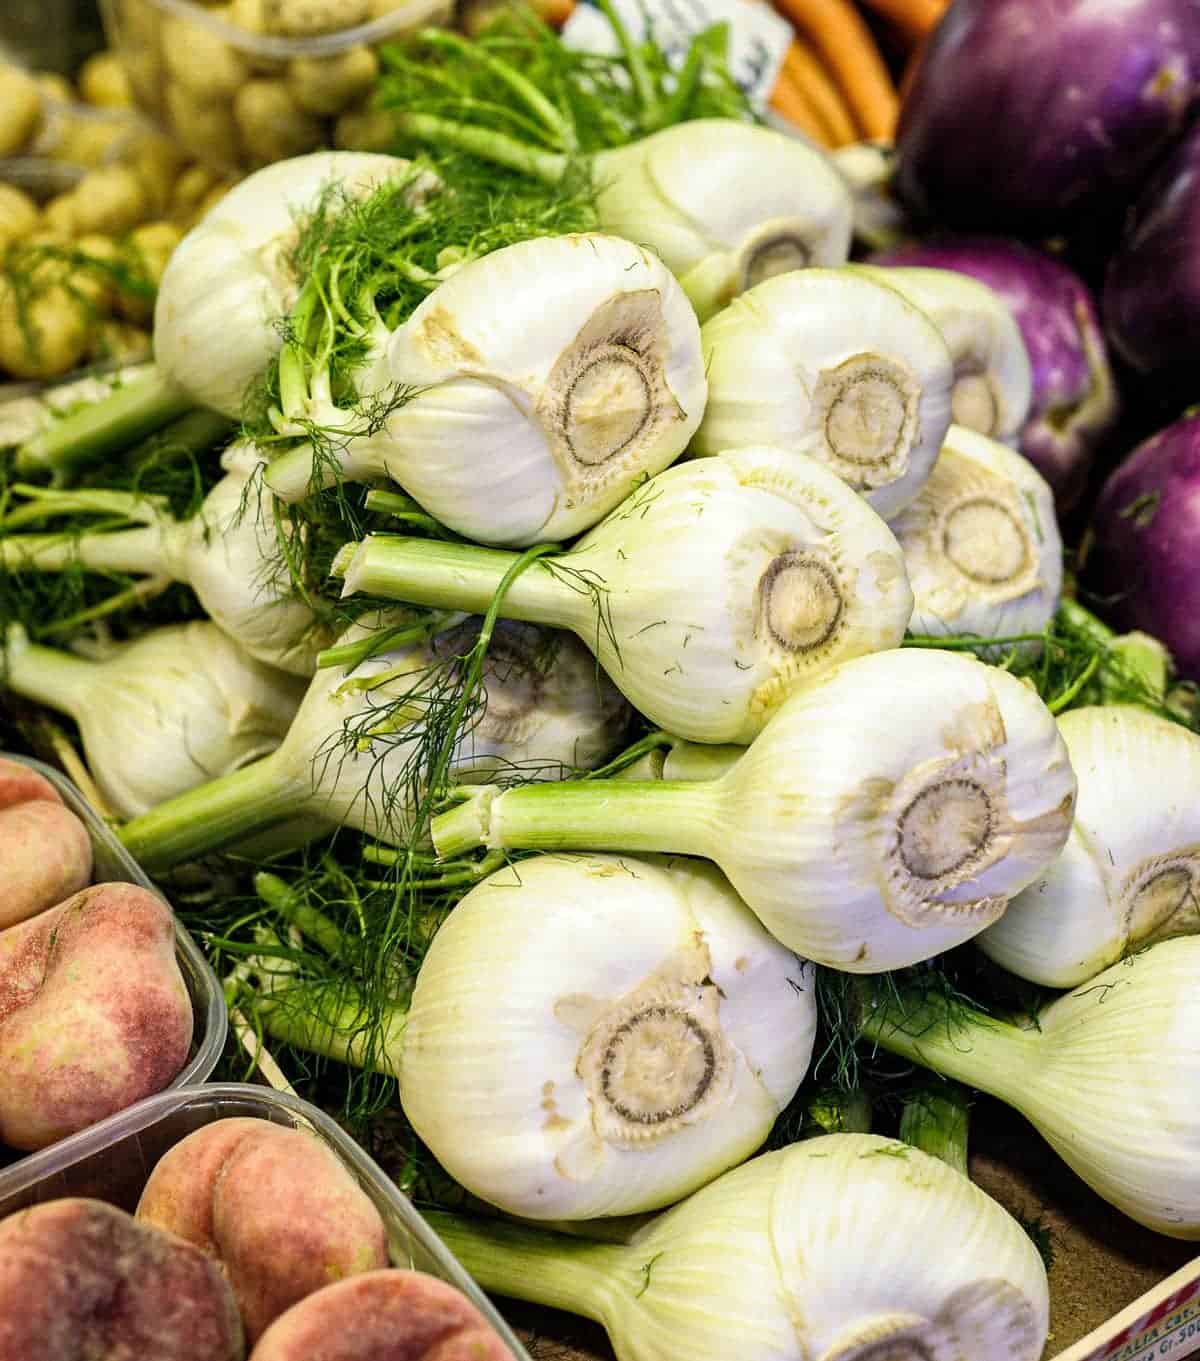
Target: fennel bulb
<point x="352" y="755"/>
<point x="1110" y="1076"/>
<point x="981" y="542"/>
<point x="835" y="365"/>
<point x="220" y="299"/>
<point x="993" y="378"/>
<point x="1130" y="871"/>
<point x="725" y="205"/>
<point x="598" y="1035"/>
<point x="229" y="554"/>
<point x="717" y="588"/>
<point x="545" y="379"/>
<point x="886" y="813"/>
<point x="175" y="707"/>
<point x="845" y="1247"/>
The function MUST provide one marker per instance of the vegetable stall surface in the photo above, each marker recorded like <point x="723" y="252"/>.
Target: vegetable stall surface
<point x="1075" y="403"/>
<point x="981" y="543"/>
<point x="837" y="366"/>
<point x="275" y="1207"/>
<point x="81" y="1278"/>
<point x="1115" y="1056"/>
<point x="45" y="851"/>
<point x="164" y="712"/>
<point x="1026" y="115"/>
<point x="1128" y="874"/>
<point x="886" y="812"/>
<point x="717" y="588"/>
<point x="844" y="1247"/>
<point x="545" y="379"/>
<point x="94" y="1014"/>
<point x="1146" y="528"/>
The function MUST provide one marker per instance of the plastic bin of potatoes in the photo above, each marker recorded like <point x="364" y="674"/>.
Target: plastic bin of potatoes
<point x="93" y="199"/>
<point x="243" y="84"/>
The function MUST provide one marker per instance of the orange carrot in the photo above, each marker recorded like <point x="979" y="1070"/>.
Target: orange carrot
<point x="790" y="101"/>
<point x="838" y="32"/>
<point x="805" y="70"/>
<point x="914" y="18"/>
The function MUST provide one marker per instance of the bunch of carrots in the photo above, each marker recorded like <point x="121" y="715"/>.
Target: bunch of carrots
<point x="835" y="85"/>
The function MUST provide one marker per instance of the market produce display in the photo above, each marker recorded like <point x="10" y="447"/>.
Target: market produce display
<point x="626" y="633"/>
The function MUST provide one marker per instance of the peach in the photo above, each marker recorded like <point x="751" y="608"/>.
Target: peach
<point x="94" y="1014"/>
<point x="45" y="850"/>
<point x="81" y="1280"/>
<point x="274" y="1205"/>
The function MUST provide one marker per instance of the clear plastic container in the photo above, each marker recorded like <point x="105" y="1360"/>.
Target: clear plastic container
<point x="112" y="1161"/>
<point x="238" y="99"/>
<point x="112" y="863"/>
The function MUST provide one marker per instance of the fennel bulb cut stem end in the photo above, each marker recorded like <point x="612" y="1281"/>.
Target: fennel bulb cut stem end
<point x="581" y="815"/>
<point x="213" y="815"/>
<point x="497" y="147"/>
<point x="87" y="435"/>
<point x="556" y="1270"/>
<point x="459" y="577"/>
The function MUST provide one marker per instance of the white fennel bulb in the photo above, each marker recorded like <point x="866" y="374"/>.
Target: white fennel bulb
<point x="835" y="365"/>
<point x="228" y="552"/>
<point x="725" y="204"/>
<point x="180" y="705"/>
<point x="547" y="378"/>
<point x="1109" y="1076"/>
<point x="229" y="280"/>
<point x="981" y="542"/>
<point x="716" y="589"/>
<point x="352" y="755"/>
<point x="886" y="813"/>
<point x="993" y="378"/>
<point x="846" y="1247"/>
<point x="633" y="1033"/>
<point x="1130" y="871"/>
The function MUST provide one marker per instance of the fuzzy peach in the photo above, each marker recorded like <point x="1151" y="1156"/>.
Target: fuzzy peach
<point x="45" y="850"/>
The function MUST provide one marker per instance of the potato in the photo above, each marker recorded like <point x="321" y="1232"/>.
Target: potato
<point x="273" y="127"/>
<point x="20" y="108"/>
<point x="274" y="1205"/>
<point x="103" y="82"/>
<point x="43" y="333"/>
<point x="200" y="60"/>
<point x="148" y="249"/>
<point x="211" y="199"/>
<point x="45" y="850"/>
<point x="60" y="216"/>
<point x="156" y="161"/>
<point x="110" y="199"/>
<point x="89" y="141"/>
<point x="94" y="1014"/>
<point x="304" y="18"/>
<point x="365" y="130"/>
<point x="119" y="341"/>
<point x="55" y="87"/>
<point x="18" y="215"/>
<point x="389" y="1315"/>
<point x="206" y="131"/>
<point x="328" y="85"/>
<point x="81" y="1280"/>
<point x="190" y="188"/>
<point x="143" y="67"/>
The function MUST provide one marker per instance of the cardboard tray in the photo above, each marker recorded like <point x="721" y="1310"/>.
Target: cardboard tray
<point x="112" y="1161"/>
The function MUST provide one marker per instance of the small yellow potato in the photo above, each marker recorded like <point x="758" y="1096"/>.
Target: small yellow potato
<point x="208" y="131"/>
<point x="99" y="256"/>
<point x="60" y="214"/>
<point x="20" y="108"/>
<point x="189" y="189"/>
<point x="55" y="87"/>
<point x="109" y="199"/>
<point x="201" y="61"/>
<point x="156" y="161"/>
<point x="86" y="141"/>
<point x="118" y="341"/>
<point x="103" y="82"/>
<point x="329" y="85"/>
<point x="148" y="249"/>
<point x="18" y="215"/>
<point x="273" y="127"/>
<point x="43" y="331"/>
<point x="145" y="73"/>
<point x="212" y="198"/>
<point x="305" y="18"/>
<point x="250" y="16"/>
<point x="364" y="129"/>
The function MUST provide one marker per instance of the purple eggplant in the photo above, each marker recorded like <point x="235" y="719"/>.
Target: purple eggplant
<point x="1074" y="395"/>
<point x="1023" y="115"/>
<point x="1152" y="292"/>
<point x="1145" y="556"/>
